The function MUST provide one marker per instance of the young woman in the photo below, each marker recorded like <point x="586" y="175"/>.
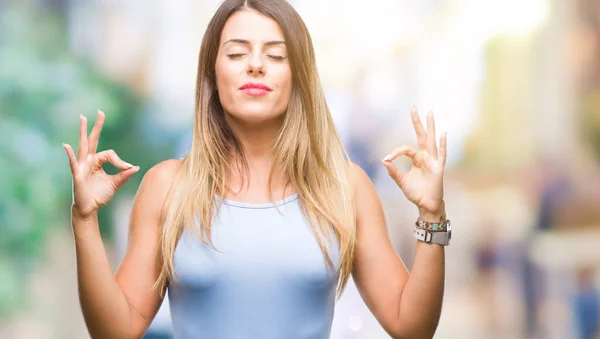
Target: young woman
<point x="257" y="228"/>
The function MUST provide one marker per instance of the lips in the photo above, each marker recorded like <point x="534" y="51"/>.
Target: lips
<point x="255" y="89"/>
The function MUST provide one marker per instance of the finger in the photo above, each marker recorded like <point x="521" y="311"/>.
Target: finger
<point x="83" y="142"/>
<point x="431" y="138"/>
<point x="71" y="156"/>
<point x="419" y="129"/>
<point x="400" y="151"/>
<point x="120" y="178"/>
<point x="443" y="148"/>
<point x="112" y="157"/>
<point x="394" y="172"/>
<point x="95" y="134"/>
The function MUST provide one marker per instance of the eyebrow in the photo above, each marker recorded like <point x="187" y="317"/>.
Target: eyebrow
<point x="246" y="42"/>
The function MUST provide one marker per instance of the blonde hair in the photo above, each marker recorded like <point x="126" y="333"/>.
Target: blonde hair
<point x="307" y="149"/>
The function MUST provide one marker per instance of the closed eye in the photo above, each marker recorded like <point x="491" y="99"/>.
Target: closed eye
<point x="235" y="55"/>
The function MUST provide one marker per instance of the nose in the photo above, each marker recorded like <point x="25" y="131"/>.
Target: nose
<point x="256" y="65"/>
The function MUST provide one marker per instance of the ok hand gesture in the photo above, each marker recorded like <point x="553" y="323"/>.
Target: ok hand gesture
<point x="92" y="187"/>
<point x="423" y="183"/>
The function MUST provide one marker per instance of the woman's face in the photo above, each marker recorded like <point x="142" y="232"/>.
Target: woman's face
<point x="253" y="73"/>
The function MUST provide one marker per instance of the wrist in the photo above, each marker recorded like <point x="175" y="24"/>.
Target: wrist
<point x="78" y="216"/>
<point x="433" y="215"/>
<point x="432" y="227"/>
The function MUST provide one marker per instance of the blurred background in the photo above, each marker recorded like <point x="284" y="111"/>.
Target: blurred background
<point x="515" y="83"/>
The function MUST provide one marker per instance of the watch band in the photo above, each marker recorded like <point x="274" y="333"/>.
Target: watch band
<point x="441" y="238"/>
<point x="440" y="226"/>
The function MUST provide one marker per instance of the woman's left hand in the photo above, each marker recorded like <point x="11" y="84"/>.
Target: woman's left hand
<point x="423" y="183"/>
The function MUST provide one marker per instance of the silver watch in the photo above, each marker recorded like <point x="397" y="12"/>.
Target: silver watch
<point x="442" y="238"/>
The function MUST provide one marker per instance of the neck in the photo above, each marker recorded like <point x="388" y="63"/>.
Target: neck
<point x="256" y="139"/>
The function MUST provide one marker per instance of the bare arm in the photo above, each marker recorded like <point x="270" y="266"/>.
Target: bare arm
<point x="121" y="306"/>
<point x="406" y="306"/>
<point x="104" y="306"/>
<point x="139" y="269"/>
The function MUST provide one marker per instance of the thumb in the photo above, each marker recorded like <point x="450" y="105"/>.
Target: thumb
<point x="120" y="178"/>
<point x="394" y="172"/>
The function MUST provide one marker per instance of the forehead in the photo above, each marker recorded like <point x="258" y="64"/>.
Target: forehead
<point x="252" y="26"/>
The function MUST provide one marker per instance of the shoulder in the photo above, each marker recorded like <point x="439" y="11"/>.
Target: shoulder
<point x="163" y="172"/>
<point x="358" y="177"/>
<point x="364" y="192"/>
<point x="369" y="211"/>
<point x="158" y="180"/>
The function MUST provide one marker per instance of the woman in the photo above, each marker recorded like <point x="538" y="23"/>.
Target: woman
<point x="258" y="227"/>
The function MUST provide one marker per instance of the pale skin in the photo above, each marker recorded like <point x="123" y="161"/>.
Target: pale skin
<point x="123" y="305"/>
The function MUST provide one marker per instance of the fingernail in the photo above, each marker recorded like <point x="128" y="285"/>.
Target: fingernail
<point x="128" y="164"/>
<point x="387" y="157"/>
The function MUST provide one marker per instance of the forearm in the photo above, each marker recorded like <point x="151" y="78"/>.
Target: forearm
<point x="104" y="306"/>
<point x="421" y="300"/>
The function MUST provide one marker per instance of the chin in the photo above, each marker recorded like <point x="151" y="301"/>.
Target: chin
<point x="255" y="114"/>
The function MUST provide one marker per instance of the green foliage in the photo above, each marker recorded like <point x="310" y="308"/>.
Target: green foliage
<point x="44" y="88"/>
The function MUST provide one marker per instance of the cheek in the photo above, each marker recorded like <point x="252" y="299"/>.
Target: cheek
<point x="227" y="76"/>
<point x="285" y="86"/>
<point x="221" y="76"/>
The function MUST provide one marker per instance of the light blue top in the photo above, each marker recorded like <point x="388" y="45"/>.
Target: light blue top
<point x="270" y="281"/>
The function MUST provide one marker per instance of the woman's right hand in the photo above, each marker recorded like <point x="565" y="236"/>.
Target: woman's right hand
<point x="92" y="187"/>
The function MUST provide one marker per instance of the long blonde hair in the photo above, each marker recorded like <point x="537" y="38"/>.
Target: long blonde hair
<point x="308" y="149"/>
